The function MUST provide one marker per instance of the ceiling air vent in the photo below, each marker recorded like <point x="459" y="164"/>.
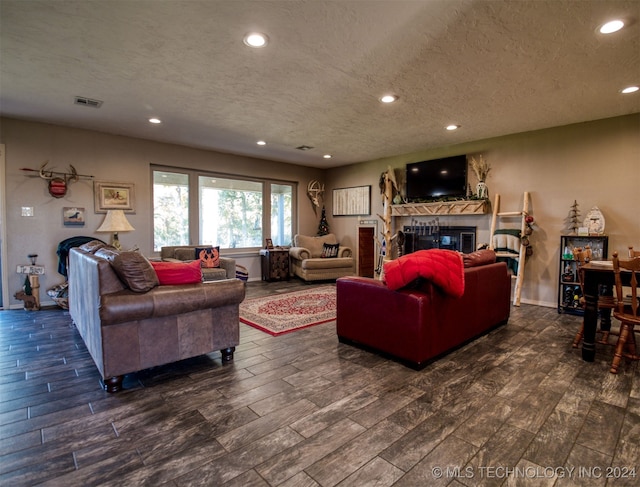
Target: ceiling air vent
<point x="304" y="147"/>
<point x="87" y="102"/>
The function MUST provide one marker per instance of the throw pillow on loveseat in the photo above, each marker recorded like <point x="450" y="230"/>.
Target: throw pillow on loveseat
<point x="185" y="253"/>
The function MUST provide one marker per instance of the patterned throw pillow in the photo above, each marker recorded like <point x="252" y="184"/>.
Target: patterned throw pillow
<point x="209" y="256"/>
<point x="329" y="250"/>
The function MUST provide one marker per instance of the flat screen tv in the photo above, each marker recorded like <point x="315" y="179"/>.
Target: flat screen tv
<point x="437" y="179"/>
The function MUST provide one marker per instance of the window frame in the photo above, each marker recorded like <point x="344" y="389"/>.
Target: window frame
<point x="195" y="197"/>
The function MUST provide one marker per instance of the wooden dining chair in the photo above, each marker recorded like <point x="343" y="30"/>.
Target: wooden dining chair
<point x="627" y="311"/>
<point x="633" y="253"/>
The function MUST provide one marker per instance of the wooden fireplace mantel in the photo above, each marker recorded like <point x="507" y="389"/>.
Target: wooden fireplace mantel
<point x="466" y="207"/>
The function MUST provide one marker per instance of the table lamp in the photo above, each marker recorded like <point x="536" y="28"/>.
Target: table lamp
<point x="115" y="222"/>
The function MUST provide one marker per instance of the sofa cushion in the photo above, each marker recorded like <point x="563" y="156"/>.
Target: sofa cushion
<point x="329" y="251"/>
<point x="185" y="253"/>
<point x="135" y="271"/>
<point x="209" y="256"/>
<point x="178" y="272"/>
<point x="479" y="257"/>
<point x="213" y="273"/>
<point x="323" y="264"/>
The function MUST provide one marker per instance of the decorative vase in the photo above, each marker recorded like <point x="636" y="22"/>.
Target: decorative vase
<point x="482" y="190"/>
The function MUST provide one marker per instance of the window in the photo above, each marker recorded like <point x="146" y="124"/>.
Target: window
<point x="281" y="214"/>
<point x="170" y="209"/>
<point x="230" y="212"/>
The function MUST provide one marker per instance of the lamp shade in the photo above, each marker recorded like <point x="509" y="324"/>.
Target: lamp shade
<point x="115" y="221"/>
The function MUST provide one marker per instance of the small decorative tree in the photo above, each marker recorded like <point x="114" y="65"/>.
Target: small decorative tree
<point x="27" y="287"/>
<point x="323" y="228"/>
<point x="574" y="214"/>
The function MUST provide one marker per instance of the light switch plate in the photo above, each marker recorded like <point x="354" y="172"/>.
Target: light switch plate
<point x="27" y="211"/>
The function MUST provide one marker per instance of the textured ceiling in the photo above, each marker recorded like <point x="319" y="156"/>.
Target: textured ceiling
<point x="494" y="67"/>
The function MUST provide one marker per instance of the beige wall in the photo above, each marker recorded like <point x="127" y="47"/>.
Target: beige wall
<point x="595" y="163"/>
<point x="107" y="158"/>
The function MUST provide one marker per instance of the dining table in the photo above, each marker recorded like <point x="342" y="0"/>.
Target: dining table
<point x="599" y="279"/>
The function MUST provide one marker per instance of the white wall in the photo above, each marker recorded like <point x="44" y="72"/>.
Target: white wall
<point x="107" y="158"/>
<point x="596" y="163"/>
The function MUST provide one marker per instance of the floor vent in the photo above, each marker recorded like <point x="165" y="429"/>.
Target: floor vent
<point x="87" y="102"/>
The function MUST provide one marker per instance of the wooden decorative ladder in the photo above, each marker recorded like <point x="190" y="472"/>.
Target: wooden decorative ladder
<point x="520" y="257"/>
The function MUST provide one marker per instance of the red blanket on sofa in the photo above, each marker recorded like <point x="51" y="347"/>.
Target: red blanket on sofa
<point x="444" y="268"/>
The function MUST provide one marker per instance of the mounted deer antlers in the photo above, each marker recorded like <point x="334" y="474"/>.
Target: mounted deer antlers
<point x="315" y="192"/>
<point x="58" y="181"/>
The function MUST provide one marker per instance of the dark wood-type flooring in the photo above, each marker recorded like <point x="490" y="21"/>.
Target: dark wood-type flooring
<point x="516" y="407"/>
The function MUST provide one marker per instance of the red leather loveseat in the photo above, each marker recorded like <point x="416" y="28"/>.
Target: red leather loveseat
<point x="419" y="322"/>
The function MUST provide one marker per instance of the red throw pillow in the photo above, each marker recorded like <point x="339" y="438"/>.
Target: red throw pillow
<point x="178" y="272"/>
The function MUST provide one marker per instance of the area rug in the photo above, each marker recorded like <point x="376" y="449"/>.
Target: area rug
<point x="289" y="312"/>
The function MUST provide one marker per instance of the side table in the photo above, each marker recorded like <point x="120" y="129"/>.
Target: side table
<point x="275" y="264"/>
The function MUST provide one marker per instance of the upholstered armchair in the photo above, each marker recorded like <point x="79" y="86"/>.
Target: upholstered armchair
<point x="226" y="270"/>
<point x="320" y="258"/>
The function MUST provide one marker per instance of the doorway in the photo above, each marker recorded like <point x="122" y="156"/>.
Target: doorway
<point x="366" y="247"/>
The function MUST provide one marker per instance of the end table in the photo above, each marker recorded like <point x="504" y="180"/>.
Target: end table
<point x="275" y="264"/>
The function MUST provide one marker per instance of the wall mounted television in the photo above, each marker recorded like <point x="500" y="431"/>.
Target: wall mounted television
<point x="437" y="179"/>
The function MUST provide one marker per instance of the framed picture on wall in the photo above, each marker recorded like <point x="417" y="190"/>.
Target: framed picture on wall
<point x="73" y="216"/>
<point x="352" y="201"/>
<point x="113" y="196"/>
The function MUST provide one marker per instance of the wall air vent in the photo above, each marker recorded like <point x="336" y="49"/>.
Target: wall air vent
<point x="304" y="147"/>
<point x="87" y="102"/>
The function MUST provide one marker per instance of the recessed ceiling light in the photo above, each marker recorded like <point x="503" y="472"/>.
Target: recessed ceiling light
<point x="630" y="89"/>
<point x="255" y="39"/>
<point x="261" y="142"/>
<point x="327" y="156"/>
<point x="155" y="120"/>
<point x="388" y="98"/>
<point x="452" y="127"/>
<point x="611" y="27"/>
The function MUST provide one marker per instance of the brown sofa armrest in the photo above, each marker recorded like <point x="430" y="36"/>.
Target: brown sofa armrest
<point x="299" y="253"/>
<point x="229" y="265"/>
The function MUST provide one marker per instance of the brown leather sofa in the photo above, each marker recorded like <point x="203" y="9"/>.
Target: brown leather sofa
<point x="126" y="331"/>
<point x="419" y="323"/>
